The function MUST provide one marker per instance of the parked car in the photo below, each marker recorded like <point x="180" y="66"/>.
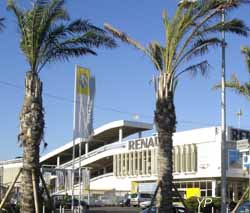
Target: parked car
<point x="145" y="204"/>
<point x="66" y="202"/>
<point x="125" y="202"/>
<point x="137" y="198"/>
<point x="176" y="209"/>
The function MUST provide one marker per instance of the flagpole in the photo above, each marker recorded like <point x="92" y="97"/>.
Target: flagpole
<point x="73" y="151"/>
<point x="80" y="192"/>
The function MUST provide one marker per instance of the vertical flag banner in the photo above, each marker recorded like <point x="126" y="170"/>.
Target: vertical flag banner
<point x="84" y="99"/>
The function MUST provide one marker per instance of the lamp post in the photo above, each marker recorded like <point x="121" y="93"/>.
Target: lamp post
<point x="223" y="118"/>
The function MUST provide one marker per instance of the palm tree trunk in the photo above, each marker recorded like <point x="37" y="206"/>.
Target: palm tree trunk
<point x="165" y="121"/>
<point x="31" y="134"/>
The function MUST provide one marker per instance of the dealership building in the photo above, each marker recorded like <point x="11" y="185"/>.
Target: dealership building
<point x="120" y="159"/>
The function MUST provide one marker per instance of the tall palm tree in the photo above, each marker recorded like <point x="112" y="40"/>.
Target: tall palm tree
<point x="47" y="35"/>
<point x="189" y="34"/>
<point x="1" y="24"/>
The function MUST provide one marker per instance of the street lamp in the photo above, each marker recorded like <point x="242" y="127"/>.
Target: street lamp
<point x="223" y="118"/>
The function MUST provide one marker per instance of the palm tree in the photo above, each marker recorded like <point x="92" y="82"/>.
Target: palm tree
<point x="189" y="34"/>
<point x="1" y="24"/>
<point x="47" y="35"/>
<point x="234" y="83"/>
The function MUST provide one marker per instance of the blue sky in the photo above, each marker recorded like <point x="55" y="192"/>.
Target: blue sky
<point x="122" y="76"/>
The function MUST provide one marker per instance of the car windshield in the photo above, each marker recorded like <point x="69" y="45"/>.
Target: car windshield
<point x="146" y="195"/>
<point x="134" y="195"/>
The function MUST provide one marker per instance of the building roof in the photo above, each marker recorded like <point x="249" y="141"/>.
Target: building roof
<point x="105" y="134"/>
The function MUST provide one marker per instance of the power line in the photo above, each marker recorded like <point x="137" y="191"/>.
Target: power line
<point x="68" y="100"/>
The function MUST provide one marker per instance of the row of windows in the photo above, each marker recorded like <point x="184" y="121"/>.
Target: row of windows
<point x="135" y="163"/>
<point x="144" y="162"/>
<point x="185" y="158"/>
<point x="204" y="186"/>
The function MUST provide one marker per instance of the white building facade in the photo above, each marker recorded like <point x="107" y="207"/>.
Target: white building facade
<point x="120" y="160"/>
<point x="120" y="164"/>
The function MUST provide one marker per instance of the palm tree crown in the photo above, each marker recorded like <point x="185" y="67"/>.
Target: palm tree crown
<point x="188" y="34"/>
<point x="47" y="35"/>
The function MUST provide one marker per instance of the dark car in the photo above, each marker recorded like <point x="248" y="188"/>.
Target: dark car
<point x="125" y="202"/>
<point x="66" y="202"/>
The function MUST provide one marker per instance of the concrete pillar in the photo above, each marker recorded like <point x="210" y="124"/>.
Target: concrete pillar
<point x="213" y="188"/>
<point x="118" y="159"/>
<point x="138" y="162"/>
<point x="86" y="148"/>
<point x="152" y="161"/>
<point x="114" y="165"/>
<point x="120" y="134"/>
<point x="130" y="160"/>
<point x="147" y="161"/>
<point x="134" y="164"/>
<point x="58" y="161"/>
<point x="143" y="161"/>
<point x="121" y="165"/>
<point x="126" y="164"/>
<point x="156" y="160"/>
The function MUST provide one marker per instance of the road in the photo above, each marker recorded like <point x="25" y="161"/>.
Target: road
<point x="114" y="210"/>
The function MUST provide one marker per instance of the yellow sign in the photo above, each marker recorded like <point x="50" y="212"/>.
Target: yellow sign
<point x="193" y="192"/>
<point x="134" y="187"/>
<point x="83" y="76"/>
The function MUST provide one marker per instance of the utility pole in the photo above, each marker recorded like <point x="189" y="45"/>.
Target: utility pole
<point x="239" y="114"/>
<point x="223" y="119"/>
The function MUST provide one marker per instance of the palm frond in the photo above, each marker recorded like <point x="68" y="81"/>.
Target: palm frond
<point x="125" y="38"/>
<point x="201" y="68"/>
<point x="201" y="47"/>
<point x="235" y="85"/>
<point x="80" y="25"/>
<point x="80" y="36"/>
<point x="235" y="26"/>
<point x="23" y="20"/>
<point x="157" y="53"/>
<point x="246" y="52"/>
<point x="1" y="24"/>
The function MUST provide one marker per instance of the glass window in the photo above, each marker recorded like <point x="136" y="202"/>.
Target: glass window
<point x="177" y="185"/>
<point x="134" y="195"/>
<point x="203" y="185"/>
<point x="209" y="193"/>
<point x="203" y="193"/>
<point x="189" y="185"/>
<point x="197" y="184"/>
<point x="145" y="195"/>
<point x="209" y="185"/>
<point x="183" y="185"/>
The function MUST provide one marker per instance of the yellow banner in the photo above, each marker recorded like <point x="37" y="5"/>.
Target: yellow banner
<point x="134" y="187"/>
<point x="193" y="192"/>
<point x="83" y="76"/>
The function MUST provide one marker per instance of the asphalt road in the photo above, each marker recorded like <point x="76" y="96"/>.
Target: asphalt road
<point x="114" y="210"/>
